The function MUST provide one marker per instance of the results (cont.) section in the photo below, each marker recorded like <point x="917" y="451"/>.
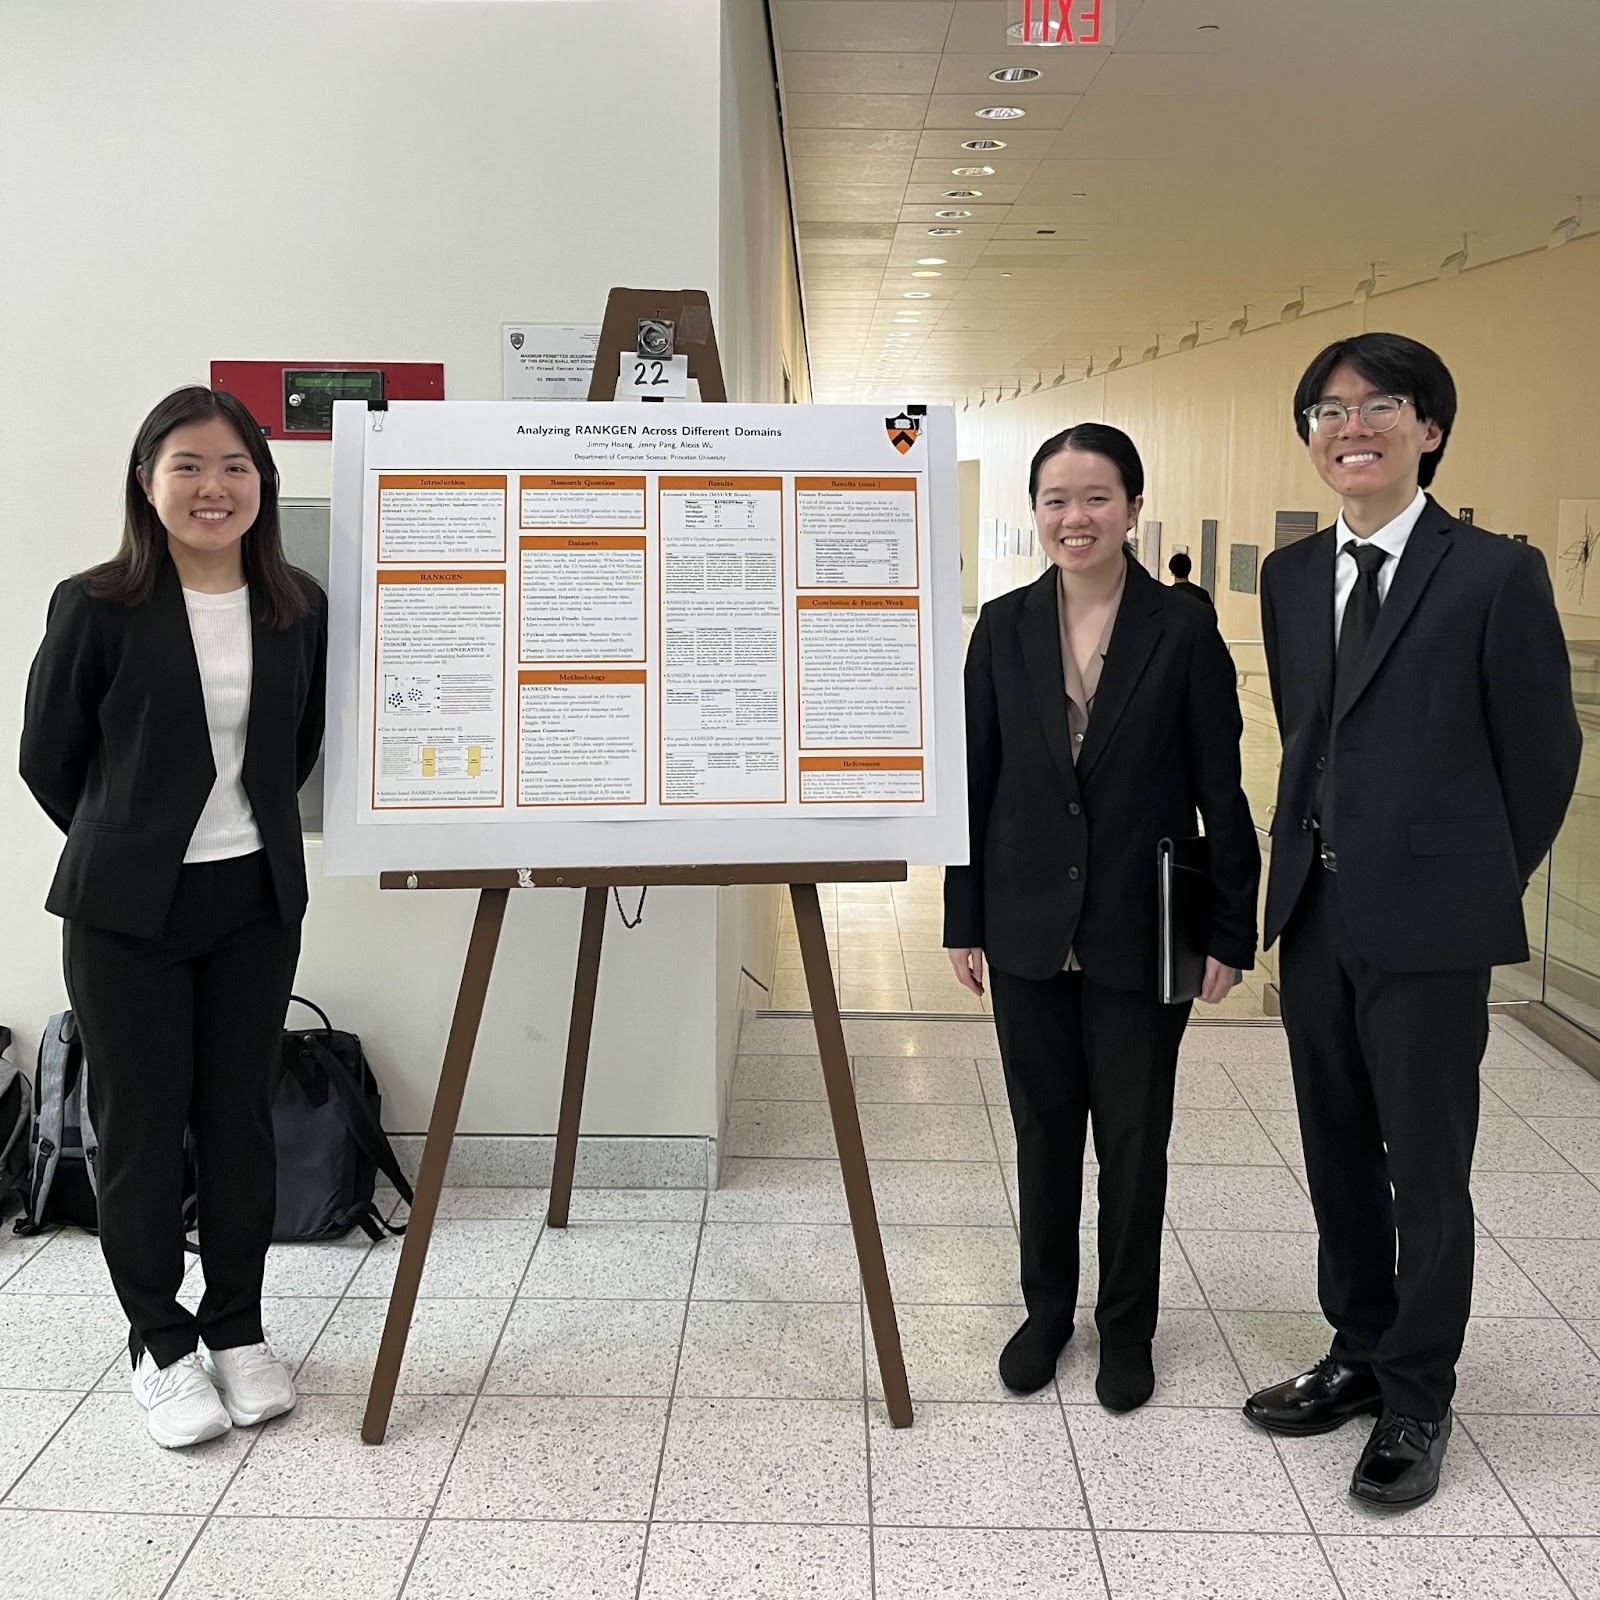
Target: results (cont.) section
<point x="441" y="516"/>
<point x="439" y="648"/>
<point x="860" y="671"/>
<point x="583" y="597"/>
<point x="721" y="667"/>
<point x="581" y="738"/>
<point x="856" y="533"/>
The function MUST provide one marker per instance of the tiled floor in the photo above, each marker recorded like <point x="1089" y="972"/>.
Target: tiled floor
<point x="675" y="1400"/>
<point x="885" y="943"/>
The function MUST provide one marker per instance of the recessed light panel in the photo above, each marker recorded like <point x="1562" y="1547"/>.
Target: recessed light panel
<point x="972" y="172"/>
<point x="983" y="144"/>
<point x="942" y="233"/>
<point x="963" y="194"/>
<point x="916" y="294"/>
<point x="1001" y="113"/>
<point x="931" y="261"/>
<point x="952" y="214"/>
<point x="1015" y="75"/>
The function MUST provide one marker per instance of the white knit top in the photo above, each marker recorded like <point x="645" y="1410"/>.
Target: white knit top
<point x="220" y="626"/>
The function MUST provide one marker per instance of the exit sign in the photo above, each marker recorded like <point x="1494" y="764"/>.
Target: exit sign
<point x="1062" y="22"/>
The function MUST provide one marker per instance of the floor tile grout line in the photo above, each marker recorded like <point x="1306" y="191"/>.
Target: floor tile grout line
<point x="1277" y="1449"/>
<point x="1511" y="1499"/>
<point x="866" y="1429"/>
<point x="472" y="1409"/>
<point x="672" y="1395"/>
<point x="1083" y="1487"/>
<point x="55" y="1433"/>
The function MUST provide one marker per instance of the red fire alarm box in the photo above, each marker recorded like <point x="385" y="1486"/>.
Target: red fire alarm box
<point x="294" y="399"/>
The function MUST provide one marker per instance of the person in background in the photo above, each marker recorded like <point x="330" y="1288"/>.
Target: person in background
<point x="173" y="711"/>
<point x="1430" y="746"/>
<point x="1102" y="717"/>
<point x="1179" y="565"/>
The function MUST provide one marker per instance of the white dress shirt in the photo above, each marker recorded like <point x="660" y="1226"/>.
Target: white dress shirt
<point x="1390" y="538"/>
<point x="220" y="627"/>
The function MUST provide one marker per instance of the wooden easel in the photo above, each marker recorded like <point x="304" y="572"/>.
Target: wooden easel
<point x="690" y="311"/>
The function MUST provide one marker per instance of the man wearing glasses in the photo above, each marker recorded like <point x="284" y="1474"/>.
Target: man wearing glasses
<point x="1430" y="747"/>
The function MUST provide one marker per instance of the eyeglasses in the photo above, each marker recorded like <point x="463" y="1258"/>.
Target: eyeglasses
<point x="1378" y="413"/>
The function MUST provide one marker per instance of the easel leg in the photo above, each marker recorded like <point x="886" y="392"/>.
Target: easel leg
<point x="852" y="1152"/>
<point x="578" y="1031"/>
<point x="435" y="1158"/>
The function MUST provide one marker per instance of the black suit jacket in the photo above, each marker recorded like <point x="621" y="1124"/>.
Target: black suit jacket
<point x="1063" y="856"/>
<point x="1192" y="591"/>
<point x="116" y="748"/>
<point x="1454" y="746"/>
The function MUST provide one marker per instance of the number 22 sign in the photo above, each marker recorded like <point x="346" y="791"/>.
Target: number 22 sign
<point x="653" y="377"/>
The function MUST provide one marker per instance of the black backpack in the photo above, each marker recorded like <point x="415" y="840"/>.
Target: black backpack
<point x="327" y="1123"/>
<point x="15" y="1119"/>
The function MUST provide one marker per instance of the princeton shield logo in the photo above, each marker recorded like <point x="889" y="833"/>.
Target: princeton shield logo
<point x="902" y="431"/>
<point x="516" y="340"/>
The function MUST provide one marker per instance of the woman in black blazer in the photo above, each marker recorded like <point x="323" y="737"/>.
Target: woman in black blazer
<point x="1102" y="717"/>
<point x="174" y="710"/>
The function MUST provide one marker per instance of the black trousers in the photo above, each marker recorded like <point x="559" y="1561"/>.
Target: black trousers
<point x="1386" y="1079"/>
<point x="1074" y="1051"/>
<point x="181" y="1032"/>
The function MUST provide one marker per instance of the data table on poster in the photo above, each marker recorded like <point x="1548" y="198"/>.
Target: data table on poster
<point x="618" y="614"/>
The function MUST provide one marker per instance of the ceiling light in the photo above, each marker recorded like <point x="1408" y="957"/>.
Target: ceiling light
<point x="927" y="272"/>
<point x="1016" y="394"/>
<point x="916" y="294"/>
<point x="1151" y="351"/>
<point x="1044" y="231"/>
<point x="932" y="261"/>
<point x="1001" y="113"/>
<point x="1014" y="75"/>
<point x="963" y="194"/>
<point x="1368" y="286"/>
<point x="1240" y="325"/>
<point x="1033" y="33"/>
<point x="1294" y="308"/>
<point x="1209" y="27"/>
<point x="1452" y="265"/>
<point x="1190" y="339"/>
<point x="953" y="213"/>
<point x="1005" y="274"/>
<point x="1566" y="228"/>
<point x="983" y="144"/>
<point x="943" y="233"/>
<point x="1116" y="360"/>
<point x="972" y="172"/>
<point x="1037" y="385"/>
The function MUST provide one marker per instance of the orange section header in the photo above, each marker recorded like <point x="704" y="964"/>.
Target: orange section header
<point x="571" y="480"/>
<point x="851" y="485"/>
<point x="767" y="485"/>
<point x="441" y="576"/>
<point x="857" y="602"/>
<point x="440" y="480"/>
<point x="581" y="677"/>
<point x="861" y="763"/>
<point x="582" y="541"/>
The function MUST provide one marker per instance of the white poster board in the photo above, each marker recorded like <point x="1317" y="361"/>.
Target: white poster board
<point x="607" y="635"/>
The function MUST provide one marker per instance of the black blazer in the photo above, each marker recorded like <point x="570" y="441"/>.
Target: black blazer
<point x="1063" y="857"/>
<point x="116" y="748"/>
<point x="1456" y="744"/>
<point x="1192" y="591"/>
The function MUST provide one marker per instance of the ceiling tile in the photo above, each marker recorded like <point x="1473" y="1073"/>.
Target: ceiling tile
<point x="942" y="171"/>
<point x="898" y="25"/>
<point x="1060" y="71"/>
<point x="855" y="110"/>
<point x="990" y="193"/>
<point x="895" y="144"/>
<point x="853" y="72"/>
<point x="850" y="169"/>
<point x="961" y="111"/>
<point x="843" y="201"/>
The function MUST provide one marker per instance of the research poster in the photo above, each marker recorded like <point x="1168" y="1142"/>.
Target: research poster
<point x="715" y="616"/>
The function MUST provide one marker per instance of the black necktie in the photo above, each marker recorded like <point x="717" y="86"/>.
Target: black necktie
<point x="1360" y="610"/>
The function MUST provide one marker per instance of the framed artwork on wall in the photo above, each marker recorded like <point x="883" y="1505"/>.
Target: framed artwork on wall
<point x="1242" y="568"/>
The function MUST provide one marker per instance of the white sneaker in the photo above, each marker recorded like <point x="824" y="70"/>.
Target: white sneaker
<point x="254" y="1383"/>
<point x="182" y="1407"/>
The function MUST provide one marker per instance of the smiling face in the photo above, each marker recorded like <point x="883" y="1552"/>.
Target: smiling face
<point x="204" y="486"/>
<point x="1082" y="512"/>
<point x="1364" y="468"/>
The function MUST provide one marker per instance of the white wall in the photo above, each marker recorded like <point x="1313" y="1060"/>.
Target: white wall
<point x="344" y="180"/>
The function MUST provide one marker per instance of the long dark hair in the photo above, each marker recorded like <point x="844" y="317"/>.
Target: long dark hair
<point x="279" y="590"/>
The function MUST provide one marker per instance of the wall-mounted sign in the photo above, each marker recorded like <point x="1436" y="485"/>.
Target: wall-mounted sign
<point x="540" y="362"/>
<point x="1061" y="22"/>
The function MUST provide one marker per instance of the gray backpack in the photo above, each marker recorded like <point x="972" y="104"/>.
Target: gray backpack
<point x="62" y="1184"/>
<point x="15" y="1119"/>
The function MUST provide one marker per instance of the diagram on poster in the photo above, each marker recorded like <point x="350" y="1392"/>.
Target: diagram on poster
<point x="729" y="627"/>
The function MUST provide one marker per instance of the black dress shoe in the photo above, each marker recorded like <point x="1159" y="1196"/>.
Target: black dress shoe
<point x="1317" y="1401"/>
<point x="1028" y="1361"/>
<point x="1127" y="1376"/>
<point x="1400" y="1466"/>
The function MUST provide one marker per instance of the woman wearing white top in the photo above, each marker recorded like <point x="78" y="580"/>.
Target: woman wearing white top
<point x="174" y="710"/>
